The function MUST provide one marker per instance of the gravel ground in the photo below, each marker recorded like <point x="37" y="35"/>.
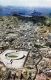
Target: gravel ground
<point x="19" y="34"/>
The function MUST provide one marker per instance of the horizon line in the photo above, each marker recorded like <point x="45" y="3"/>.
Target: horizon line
<point x="24" y="6"/>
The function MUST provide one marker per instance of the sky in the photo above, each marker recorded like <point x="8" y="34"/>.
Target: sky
<point x="26" y="3"/>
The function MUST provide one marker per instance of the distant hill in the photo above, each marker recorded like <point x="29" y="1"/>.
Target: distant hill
<point x="24" y="11"/>
<point x="36" y="13"/>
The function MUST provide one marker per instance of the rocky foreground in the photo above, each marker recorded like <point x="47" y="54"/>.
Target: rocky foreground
<point x="32" y="37"/>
